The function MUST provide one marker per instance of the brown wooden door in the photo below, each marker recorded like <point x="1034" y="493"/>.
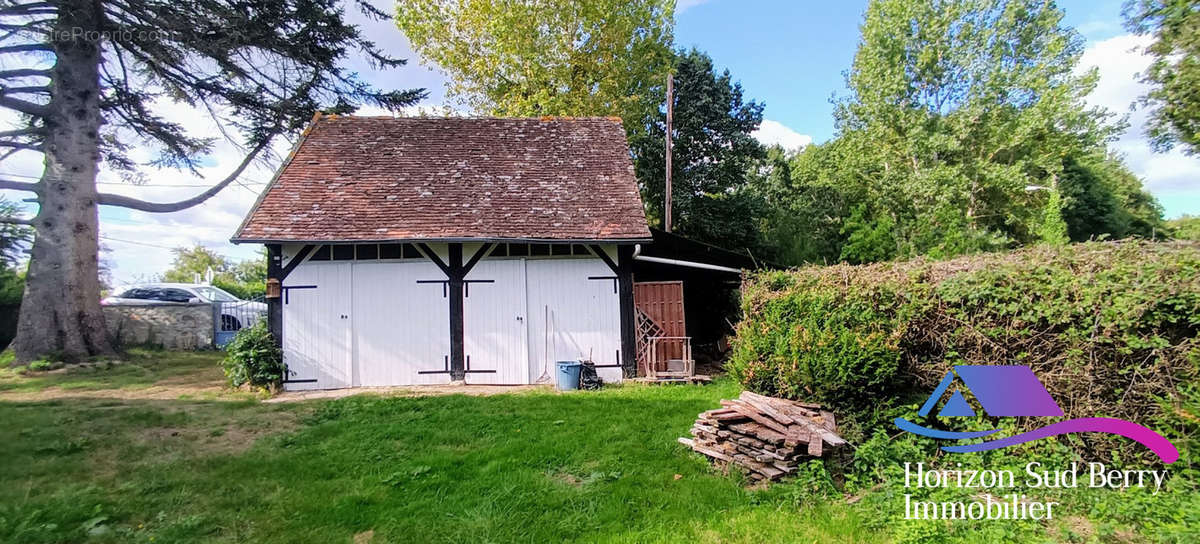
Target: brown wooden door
<point x="659" y="305"/>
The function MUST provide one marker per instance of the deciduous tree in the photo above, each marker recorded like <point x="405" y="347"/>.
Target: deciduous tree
<point x="547" y="57"/>
<point x="1186" y="227"/>
<point x="245" y="279"/>
<point x="1102" y="198"/>
<point x="713" y="151"/>
<point x="14" y="236"/>
<point x="806" y="203"/>
<point x="957" y="108"/>
<point x="196" y="262"/>
<point x="1174" y="74"/>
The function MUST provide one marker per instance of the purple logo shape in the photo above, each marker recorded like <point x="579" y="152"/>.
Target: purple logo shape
<point x="1002" y="391"/>
<point x="1014" y="391"/>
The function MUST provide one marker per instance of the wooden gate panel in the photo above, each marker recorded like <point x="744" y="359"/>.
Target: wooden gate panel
<point x="662" y="329"/>
<point x="662" y="301"/>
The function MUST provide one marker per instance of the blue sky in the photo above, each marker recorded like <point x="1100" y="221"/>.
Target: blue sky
<point x="792" y="55"/>
<point x="788" y="54"/>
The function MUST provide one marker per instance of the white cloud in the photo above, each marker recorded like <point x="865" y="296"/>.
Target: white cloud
<point x="773" y="132"/>
<point x="684" y="5"/>
<point x="149" y="237"/>
<point x="1119" y="60"/>
<point x="138" y="244"/>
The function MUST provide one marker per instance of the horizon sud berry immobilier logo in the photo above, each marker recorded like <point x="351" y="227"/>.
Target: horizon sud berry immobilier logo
<point x="1014" y="391"/>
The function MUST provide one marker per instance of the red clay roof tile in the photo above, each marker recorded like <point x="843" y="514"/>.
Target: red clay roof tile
<point x="383" y="178"/>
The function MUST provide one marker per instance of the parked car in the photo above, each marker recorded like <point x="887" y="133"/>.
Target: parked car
<point x="235" y="313"/>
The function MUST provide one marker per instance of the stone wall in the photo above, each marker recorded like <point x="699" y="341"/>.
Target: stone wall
<point x="171" y="326"/>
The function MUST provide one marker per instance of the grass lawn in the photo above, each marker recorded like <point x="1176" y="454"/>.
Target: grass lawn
<point x="144" y="374"/>
<point x="155" y="450"/>
<point x="108" y="455"/>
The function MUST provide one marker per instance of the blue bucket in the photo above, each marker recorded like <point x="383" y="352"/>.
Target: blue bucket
<point x="567" y="376"/>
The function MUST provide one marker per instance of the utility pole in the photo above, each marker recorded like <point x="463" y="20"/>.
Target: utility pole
<point x="670" y="110"/>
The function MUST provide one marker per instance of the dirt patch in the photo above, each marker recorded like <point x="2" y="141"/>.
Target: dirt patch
<point x="409" y="391"/>
<point x="566" y="478"/>
<point x="158" y="434"/>
<point x="202" y="383"/>
<point x="217" y="437"/>
<point x="158" y="391"/>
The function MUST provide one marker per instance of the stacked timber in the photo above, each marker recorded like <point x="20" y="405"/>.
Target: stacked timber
<point x="768" y="437"/>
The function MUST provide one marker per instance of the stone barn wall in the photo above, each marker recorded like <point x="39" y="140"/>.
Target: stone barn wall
<point x="170" y="326"/>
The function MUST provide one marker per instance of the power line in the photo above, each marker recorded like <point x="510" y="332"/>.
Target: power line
<point x="239" y="181"/>
<point x="168" y="184"/>
<point x="22" y="176"/>
<point x="110" y="239"/>
<point x="130" y="222"/>
<point x="184" y="185"/>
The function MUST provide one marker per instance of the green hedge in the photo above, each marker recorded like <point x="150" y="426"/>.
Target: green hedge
<point x="1112" y="329"/>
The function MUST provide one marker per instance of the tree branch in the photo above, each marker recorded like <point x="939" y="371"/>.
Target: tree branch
<point x="26" y="89"/>
<point x="23" y="106"/>
<point x="28" y="9"/>
<point x="20" y="186"/>
<point x="25" y="48"/>
<point x="28" y="146"/>
<point x="10" y="26"/>
<point x="20" y="132"/>
<point x="24" y="72"/>
<point x="108" y="199"/>
<point x="17" y="30"/>
<point x="16" y="221"/>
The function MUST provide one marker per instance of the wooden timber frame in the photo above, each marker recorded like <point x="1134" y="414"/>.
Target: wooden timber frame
<point x="623" y="268"/>
<point x="276" y="270"/>
<point x="456" y="271"/>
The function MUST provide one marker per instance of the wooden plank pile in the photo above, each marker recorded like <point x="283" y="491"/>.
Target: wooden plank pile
<point x="767" y="436"/>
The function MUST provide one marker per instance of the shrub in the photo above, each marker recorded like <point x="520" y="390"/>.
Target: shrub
<point x="1112" y="329"/>
<point x="242" y="290"/>
<point x="253" y="358"/>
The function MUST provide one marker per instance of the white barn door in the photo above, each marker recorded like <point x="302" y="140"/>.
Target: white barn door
<point x="494" y="323"/>
<point x="401" y="327"/>
<point x="574" y="313"/>
<point x="317" y="326"/>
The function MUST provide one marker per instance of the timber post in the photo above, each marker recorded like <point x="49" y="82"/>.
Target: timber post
<point x="628" y="317"/>
<point x="456" y="274"/>
<point x="274" y="299"/>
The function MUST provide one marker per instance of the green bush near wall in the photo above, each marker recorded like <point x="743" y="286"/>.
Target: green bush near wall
<point x="253" y="358"/>
<point x="1112" y="329"/>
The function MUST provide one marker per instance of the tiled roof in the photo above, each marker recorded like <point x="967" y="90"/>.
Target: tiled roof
<point x="384" y="178"/>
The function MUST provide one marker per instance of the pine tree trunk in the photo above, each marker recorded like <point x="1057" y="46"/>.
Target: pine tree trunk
<point x="60" y="312"/>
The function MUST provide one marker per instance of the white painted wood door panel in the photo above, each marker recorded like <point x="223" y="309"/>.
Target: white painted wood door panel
<point x="494" y="323"/>
<point x="401" y="326"/>
<point x="574" y="313"/>
<point x="317" y="326"/>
